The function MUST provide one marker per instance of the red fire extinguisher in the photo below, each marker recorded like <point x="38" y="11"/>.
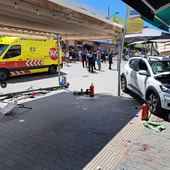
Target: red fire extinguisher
<point x="145" y="110"/>
<point x="92" y="90"/>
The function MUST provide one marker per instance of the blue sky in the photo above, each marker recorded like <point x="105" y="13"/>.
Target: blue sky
<point x="115" y="6"/>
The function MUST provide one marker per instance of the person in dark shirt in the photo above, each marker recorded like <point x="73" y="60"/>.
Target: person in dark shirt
<point x="74" y="56"/>
<point x="94" y="59"/>
<point x="103" y="56"/>
<point x="84" y="57"/>
<point x="110" y="60"/>
<point x="90" y="59"/>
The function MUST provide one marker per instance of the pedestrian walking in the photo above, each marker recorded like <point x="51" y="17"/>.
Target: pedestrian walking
<point x="98" y="60"/>
<point x="90" y="60"/>
<point x="83" y="54"/>
<point x="110" y="60"/>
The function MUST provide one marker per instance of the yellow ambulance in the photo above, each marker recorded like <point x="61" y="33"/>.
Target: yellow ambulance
<point x="19" y="56"/>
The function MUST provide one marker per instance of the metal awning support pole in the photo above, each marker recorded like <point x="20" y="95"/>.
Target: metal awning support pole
<point x="58" y="58"/>
<point x="129" y="50"/>
<point x="120" y="56"/>
<point x="145" y="45"/>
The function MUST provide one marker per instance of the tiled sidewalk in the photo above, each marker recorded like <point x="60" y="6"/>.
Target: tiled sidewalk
<point x="66" y="132"/>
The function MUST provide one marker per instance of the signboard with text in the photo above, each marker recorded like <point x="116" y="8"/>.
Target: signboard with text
<point x="135" y="23"/>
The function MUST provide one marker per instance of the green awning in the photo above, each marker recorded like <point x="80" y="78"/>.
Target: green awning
<point x="155" y="12"/>
<point x="164" y="15"/>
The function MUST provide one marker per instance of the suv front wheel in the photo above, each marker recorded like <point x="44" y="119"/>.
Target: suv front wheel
<point x="153" y="102"/>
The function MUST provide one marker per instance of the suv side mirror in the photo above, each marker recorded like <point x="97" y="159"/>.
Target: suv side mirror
<point x="143" y="72"/>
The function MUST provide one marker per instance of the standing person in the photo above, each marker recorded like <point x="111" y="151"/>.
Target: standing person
<point x="70" y="54"/>
<point x="80" y="57"/>
<point x="110" y="60"/>
<point x="74" y="56"/>
<point x="94" y="59"/>
<point x="83" y="54"/>
<point x="98" y="60"/>
<point x="64" y="52"/>
<point x="106" y="57"/>
<point x="90" y="59"/>
<point x="103" y="56"/>
<point x="87" y="59"/>
<point x="137" y="53"/>
<point x="142" y="53"/>
<point x="67" y="57"/>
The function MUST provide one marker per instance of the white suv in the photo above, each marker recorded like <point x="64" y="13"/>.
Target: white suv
<point x="149" y="78"/>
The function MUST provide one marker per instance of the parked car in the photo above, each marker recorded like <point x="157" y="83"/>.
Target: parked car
<point x="149" y="78"/>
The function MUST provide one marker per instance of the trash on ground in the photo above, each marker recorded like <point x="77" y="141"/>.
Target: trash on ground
<point x="136" y="116"/>
<point x="131" y="122"/>
<point x="32" y="95"/>
<point x="84" y="109"/>
<point x="98" y="168"/>
<point x="154" y="126"/>
<point x="129" y="141"/>
<point x="62" y="83"/>
<point x="78" y="106"/>
<point x="22" y="120"/>
<point x="159" y="120"/>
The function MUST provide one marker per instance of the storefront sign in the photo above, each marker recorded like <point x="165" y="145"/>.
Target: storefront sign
<point x="135" y="23"/>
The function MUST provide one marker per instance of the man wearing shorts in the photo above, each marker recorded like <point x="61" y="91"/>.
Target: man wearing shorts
<point x="98" y="60"/>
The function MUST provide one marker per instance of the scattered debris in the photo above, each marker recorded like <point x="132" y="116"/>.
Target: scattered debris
<point x="129" y="141"/>
<point x="131" y="123"/>
<point x="159" y="119"/>
<point x="32" y="95"/>
<point x="78" y="106"/>
<point x="30" y="88"/>
<point x="136" y="116"/>
<point x="98" y="168"/>
<point x="22" y="120"/>
<point x="84" y="109"/>
<point x="154" y="126"/>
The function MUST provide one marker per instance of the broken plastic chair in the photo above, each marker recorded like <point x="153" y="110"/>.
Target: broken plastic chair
<point x="154" y="126"/>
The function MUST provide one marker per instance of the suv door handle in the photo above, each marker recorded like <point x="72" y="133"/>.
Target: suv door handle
<point x="126" y="72"/>
<point x="27" y="58"/>
<point x="20" y="59"/>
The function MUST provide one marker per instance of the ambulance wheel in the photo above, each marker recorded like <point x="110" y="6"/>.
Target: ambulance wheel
<point x="4" y="75"/>
<point x="52" y="69"/>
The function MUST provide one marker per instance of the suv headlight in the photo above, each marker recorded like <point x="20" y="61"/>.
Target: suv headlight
<point x="165" y="89"/>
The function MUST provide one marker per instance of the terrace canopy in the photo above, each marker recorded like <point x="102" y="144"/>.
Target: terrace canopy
<point x="45" y="18"/>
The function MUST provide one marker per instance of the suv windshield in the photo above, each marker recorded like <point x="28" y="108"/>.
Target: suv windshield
<point x="3" y="48"/>
<point x="160" y="66"/>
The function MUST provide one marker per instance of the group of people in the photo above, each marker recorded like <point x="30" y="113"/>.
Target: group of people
<point x="138" y="53"/>
<point x="89" y="58"/>
<point x="69" y="56"/>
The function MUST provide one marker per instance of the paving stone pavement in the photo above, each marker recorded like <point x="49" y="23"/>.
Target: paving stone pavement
<point x="63" y="131"/>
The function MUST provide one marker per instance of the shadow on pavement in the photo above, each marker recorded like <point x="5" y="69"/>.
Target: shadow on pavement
<point x="62" y="131"/>
<point x="32" y="77"/>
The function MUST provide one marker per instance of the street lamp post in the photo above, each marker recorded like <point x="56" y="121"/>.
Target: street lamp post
<point x="109" y="19"/>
